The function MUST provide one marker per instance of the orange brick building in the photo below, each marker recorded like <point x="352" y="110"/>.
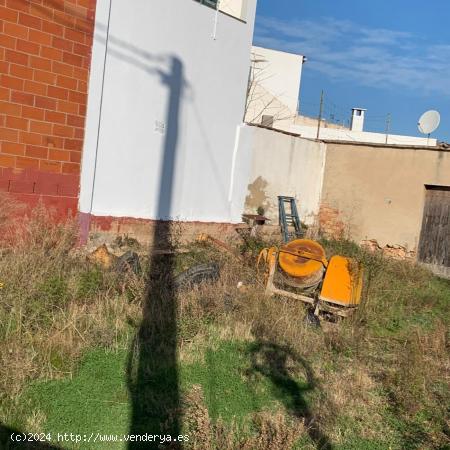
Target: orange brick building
<point x="45" y="54"/>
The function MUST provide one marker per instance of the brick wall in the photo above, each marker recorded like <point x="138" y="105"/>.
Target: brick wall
<point x="331" y="223"/>
<point x="45" y="49"/>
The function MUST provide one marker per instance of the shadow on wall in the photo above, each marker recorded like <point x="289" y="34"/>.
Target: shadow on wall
<point x="152" y="371"/>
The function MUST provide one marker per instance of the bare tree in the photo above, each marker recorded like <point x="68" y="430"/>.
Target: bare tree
<point x="260" y="101"/>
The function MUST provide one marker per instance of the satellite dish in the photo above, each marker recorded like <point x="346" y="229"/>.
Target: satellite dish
<point x="429" y="121"/>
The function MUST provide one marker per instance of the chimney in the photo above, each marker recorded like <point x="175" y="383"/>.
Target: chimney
<point x="357" y="122"/>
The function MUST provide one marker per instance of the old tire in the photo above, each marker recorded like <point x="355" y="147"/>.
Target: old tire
<point x="201" y="273"/>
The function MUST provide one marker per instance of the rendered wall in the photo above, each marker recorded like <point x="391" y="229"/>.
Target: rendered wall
<point x="329" y="133"/>
<point x="378" y="192"/>
<point x="285" y="165"/>
<point x="45" y="50"/>
<point x="166" y="99"/>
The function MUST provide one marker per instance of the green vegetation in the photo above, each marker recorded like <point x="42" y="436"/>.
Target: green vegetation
<point x="75" y="353"/>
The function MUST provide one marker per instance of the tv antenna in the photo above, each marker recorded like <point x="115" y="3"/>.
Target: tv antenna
<point x="428" y="122"/>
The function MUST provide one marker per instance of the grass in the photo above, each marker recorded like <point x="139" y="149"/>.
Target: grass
<point x="251" y="373"/>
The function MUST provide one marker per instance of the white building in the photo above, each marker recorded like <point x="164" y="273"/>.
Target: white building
<point x="273" y="101"/>
<point x="273" y="88"/>
<point x="166" y="104"/>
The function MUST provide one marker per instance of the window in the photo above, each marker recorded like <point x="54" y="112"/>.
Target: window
<point x="358" y="112"/>
<point x="210" y="3"/>
<point x="267" y="121"/>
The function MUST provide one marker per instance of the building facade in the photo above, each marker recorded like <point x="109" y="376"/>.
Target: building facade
<point x="130" y="113"/>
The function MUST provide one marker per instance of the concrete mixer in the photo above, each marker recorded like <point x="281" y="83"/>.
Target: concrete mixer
<point x="301" y="271"/>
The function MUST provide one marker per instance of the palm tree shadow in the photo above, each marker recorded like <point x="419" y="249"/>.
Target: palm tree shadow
<point x="273" y="361"/>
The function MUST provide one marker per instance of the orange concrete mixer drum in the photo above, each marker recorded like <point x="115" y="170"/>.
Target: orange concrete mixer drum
<point x="303" y="263"/>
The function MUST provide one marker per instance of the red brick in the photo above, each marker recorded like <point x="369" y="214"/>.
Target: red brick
<point x="68" y="107"/>
<point x="22" y="98"/>
<point x="75" y="157"/>
<point x="55" y="117"/>
<point x="74" y="35"/>
<point x="77" y="97"/>
<point x="35" y="88"/>
<point x="41" y="127"/>
<point x="54" y="4"/>
<point x="13" y="148"/>
<point x="30" y="112"/>
<point x="45" y="102"/>
<point x="10" y="109"/>
<point x="62" y="44"/>
<point x="12" y="82"/>
<point x="4" y="66"/>
<point x="85" y="3"/>
<point x="79" y="133"/>
<point x="30" y="138"/>
<point x="83" y="50"/>
<point x="7" y="134"/>
<point x="73" y="144"/>
<point x="44" y="77"/>
<point x="40" y="11"/>
<point x="71" y="168"/>
<point x="40" y="38"/>
<point x="75" y="121"/>
<point x="64" y="19"/>
<point x="20" y="5"/>
<point x="16" y="57"/>
<point x="82" y="110"/>
<point x="33" y="151"/>
<point x="26" y="163"/>
<point x="66" y="82"/>
<point x="12" y="29"/>
<point x="49" y="166"/>
<point x="56" y="92"/>
<point x="82" y="86"/>
<point x="4" y="93"/>
<point x="40" y="63"/>
<point x="61" y="130"/>
<point x="51" y="53"/>
<point x="27" y="47"/>
<point x="17" y="123"/>
<point x="80" y="73"/>
<point x="7" y="161"/>
<point x="52" y="28"/>
<point x="53" y="141"/>
<point x="73" y="60"/>
<point x="62" y="69"/>
<point x="7" y="41"/>
<point x="30" y="21"/>
<point x="58" y="155"/>
<point x="21" y="71"/>
<point x="8" y="14"/>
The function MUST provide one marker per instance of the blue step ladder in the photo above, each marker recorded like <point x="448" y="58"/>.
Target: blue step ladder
<point x="286" y="219"/>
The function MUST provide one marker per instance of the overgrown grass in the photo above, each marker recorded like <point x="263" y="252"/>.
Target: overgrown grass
<point x="252" y="374"/>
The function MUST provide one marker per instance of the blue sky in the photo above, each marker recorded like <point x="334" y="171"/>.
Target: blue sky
<point x="386" y="56"/>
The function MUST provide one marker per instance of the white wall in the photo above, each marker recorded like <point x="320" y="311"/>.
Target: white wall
<point x="359" y="136"/>
<point x="171" y="93"/>
<point x="285" y="165"/>
<point x="275" y="86"/>
<point x="282" y="73"/>
<point x="236" y="8"/>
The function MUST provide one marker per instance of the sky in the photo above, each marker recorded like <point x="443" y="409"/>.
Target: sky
<point x="389" y="56"/>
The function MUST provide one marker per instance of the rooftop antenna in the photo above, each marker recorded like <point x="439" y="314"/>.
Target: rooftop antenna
<point x="428" y="122"/>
